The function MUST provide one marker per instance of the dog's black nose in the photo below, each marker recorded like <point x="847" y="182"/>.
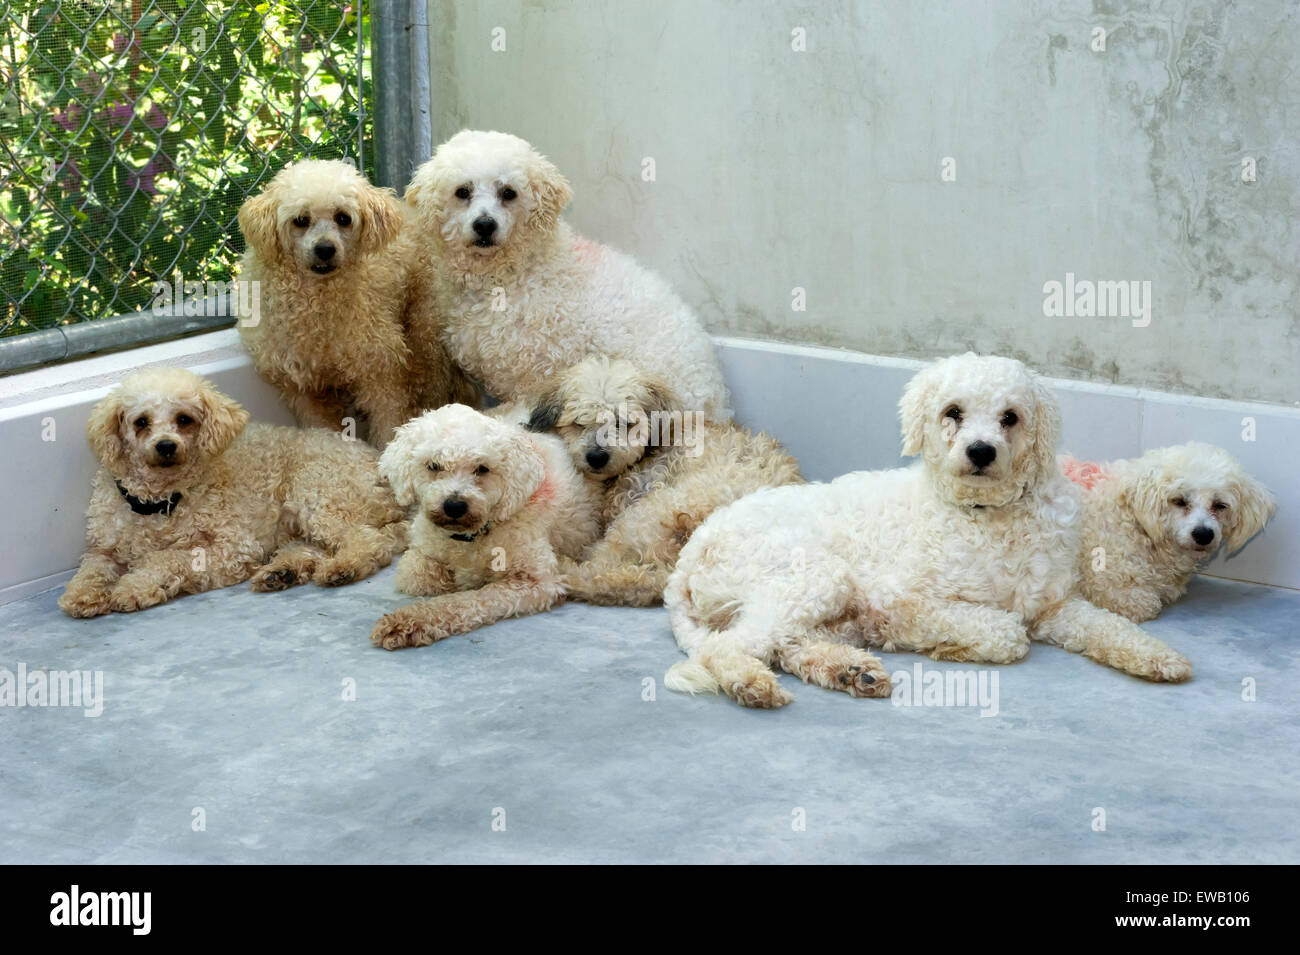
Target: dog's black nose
<point x="165" y="448"/>
<point x="597" y="458"/>
<point x="981" y="453"/>
<point x="324" y="251"/>
<point x="484" y="226"/>
<point x="454" y="508"/>
<point x="1202" y="535"/>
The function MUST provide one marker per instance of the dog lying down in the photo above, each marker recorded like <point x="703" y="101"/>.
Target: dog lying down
<point x="495" y="506"/>
<point x="967" y="555"/>
<point x="1150" y="522"/>
<point x="188" y="499"/>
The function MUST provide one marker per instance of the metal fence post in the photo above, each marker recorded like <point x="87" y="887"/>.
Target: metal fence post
<point x="403" y="126"/>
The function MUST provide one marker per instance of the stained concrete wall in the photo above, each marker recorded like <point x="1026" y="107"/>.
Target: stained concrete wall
<point x="821" y="169"/>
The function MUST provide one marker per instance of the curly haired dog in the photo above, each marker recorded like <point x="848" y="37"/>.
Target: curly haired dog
<point x="1150" y="522"/>
<point x="344" y="325"/>
<point x="187" y="499"/>
<point x="523" y="297"/>
<point x="495" y="505"/>
<point x="966" y="555"/>
<point x="661" y="468"/>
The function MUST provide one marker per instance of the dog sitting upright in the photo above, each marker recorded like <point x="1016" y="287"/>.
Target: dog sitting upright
<point x="1151" y="522"/>
<point x="344" y="327"/>
<point x="187" y="499"/>
<point x="496" y="504"/>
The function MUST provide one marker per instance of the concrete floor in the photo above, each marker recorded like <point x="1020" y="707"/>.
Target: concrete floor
<point x="233" y="703"/>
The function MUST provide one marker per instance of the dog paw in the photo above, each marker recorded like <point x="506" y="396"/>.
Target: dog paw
<point x="272" y="579"/>
<point x="1170" y="668"/>
<point x="85" y="603"/>
<point x="761" y="692"/>
<point x="334" y="574"/>
<point x="136" y="597"/>
<point x="396" y="632"/>
<point x="864" y="681"/>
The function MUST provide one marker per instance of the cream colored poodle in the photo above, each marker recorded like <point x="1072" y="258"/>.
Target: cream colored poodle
<point x="187" y="499"/>
<point x="661" y="468"/>
<point x="523" y="297"/>
<point x="344" y="326"/>
<point x="1149" y="523"/>
<point x="495" y="505"/>
<point x="967" y="555"/>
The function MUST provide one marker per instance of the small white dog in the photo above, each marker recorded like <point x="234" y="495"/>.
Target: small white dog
<point x="188" y="499"/>
<point x="496" y="504"/>
<point x="1151" y="522"/>
<point x="967" y="555"/>
<point x="522" y="297"/>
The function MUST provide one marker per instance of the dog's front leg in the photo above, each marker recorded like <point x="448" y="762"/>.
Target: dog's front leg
<point x="954" y="630"/>
<point x="428" y="621"/>
<point x="165" y="574"/>
<point x="89" y="592"/>
<point x="1108" y="638"/>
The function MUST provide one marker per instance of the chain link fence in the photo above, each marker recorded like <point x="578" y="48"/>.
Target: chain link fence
<point x="132" y="131"/>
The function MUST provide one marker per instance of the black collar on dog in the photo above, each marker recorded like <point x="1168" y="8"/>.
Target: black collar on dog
<point x="165" y="506"/>
<point x="471" y="538"/>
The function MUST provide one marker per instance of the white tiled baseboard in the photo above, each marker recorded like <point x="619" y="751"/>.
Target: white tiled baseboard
<point x="835" y="410"/>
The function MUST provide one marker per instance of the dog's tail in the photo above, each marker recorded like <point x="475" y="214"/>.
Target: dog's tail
<point x="691" y="676"/>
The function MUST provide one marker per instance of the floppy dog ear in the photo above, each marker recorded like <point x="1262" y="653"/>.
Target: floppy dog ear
<point x="1255" y="505"/>
<point x="525" y="474"/>
<point x="551" y="192"/>
<point x="397" y="465"/>
<point x="911" y="411"/>
<point x="1145" y="492"/>
<point x="1047" y="430"/>
<point x="381" y="218"/>
<point x="663" y="400"/>
<point x="257" y="222"/>
<point x="223" y="419"/>
<point x="547" y="410"/>
<point x="104" y="432"/>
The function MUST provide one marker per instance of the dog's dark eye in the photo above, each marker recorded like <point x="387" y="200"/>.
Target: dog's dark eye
<point x="184" y="420"/>
<point x="954" y="414"/>
<point x="481" y="469"/>
<point x="302" y="221"/>
<point x="142" y="422"/>
<point x="1179" y="502"/>
<point x="462" y="192"/>
<point x="343" y="219"/>
<point x="434" y="466"/>
<point x="507" y="194"/>
<point x="1010" y="419"/>
<point x="1218" y="506"/>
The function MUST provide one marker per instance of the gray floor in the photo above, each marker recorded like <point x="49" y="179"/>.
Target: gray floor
<point x="233" y="703"/>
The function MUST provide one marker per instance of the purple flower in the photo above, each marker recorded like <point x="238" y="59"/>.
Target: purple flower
<point x="145" y="178"/>
<point x="70" y="175"/>
<point x="155" y="118"/>
<point x="120" y="42"/>
<point x="70" y="118"/>
<point x="120" y="114"/>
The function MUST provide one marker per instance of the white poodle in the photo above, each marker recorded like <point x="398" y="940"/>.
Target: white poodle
<point x="1149" y="523"/>
<point x="966" y="555"/>
<point x="495" y="505"/>
<point x="188" y="499"/>
<point x="522" y="297"/>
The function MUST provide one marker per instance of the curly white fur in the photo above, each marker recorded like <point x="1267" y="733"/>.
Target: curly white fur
<point x="494" y="506"/>
<point x="530" y="297"/>
<point x="1151" y="522"/>
<point x="279" y="505"/>
<point x="966" y="555"/>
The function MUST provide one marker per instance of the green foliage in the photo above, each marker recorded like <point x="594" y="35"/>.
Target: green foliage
<point x="134" y="129"/>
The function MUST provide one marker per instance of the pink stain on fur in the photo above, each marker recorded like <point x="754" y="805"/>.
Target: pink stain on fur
<point x="1086" y="474"/>
<point x="546" y="490"/>
<point x="587" y="249"/>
